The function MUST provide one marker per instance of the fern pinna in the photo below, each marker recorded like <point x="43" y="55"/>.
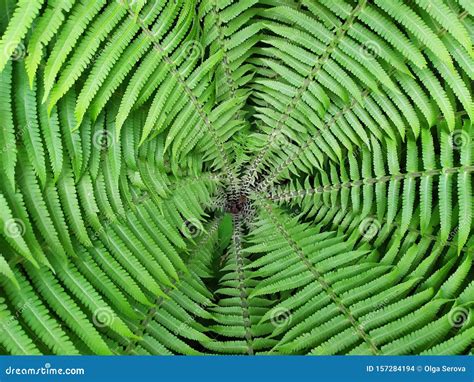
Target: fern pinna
<point x="236" y="177"/>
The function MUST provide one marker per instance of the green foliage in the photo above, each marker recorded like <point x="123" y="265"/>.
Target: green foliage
<point x="236" y="177"/>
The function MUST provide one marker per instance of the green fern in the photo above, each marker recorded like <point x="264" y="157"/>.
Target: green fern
<point x="236" y="177"/>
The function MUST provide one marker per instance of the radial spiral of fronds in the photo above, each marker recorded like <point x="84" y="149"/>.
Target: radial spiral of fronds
<point x="236" y="177"/>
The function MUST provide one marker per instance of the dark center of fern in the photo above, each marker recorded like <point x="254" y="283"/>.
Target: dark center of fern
<point x="237" y="203"/>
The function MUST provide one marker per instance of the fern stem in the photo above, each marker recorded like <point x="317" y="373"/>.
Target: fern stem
<point x="237" y="247"/>
<point x="225" y="59"/>
<point x="289" y="195"/>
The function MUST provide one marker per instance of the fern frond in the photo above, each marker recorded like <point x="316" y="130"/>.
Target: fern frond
<point x="236" y="177"/>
